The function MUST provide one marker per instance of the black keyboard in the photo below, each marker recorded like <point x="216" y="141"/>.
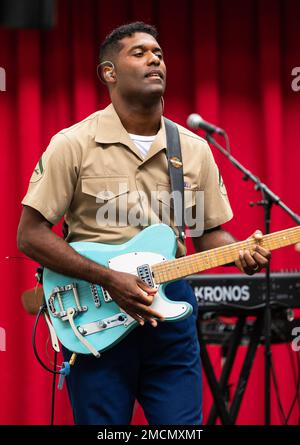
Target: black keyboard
<point x="218" y="292"/>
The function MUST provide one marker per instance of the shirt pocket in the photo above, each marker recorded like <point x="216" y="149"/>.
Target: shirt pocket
<point x="164" y="196"/>
<point x="107" y="198"/>
<point x="193" y="203"/>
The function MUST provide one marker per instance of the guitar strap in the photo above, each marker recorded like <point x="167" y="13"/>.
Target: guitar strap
<point x="175" y="166"/>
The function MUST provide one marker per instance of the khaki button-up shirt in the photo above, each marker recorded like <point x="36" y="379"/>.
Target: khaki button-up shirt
<point x="93" y="174"/>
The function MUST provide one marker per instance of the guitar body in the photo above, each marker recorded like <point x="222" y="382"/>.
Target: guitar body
<point x="96" y="318"/>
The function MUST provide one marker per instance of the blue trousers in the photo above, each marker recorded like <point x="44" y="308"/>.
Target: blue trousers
<point x="160" y="367"/>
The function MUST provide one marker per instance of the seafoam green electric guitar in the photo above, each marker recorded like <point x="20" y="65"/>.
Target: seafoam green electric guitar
<point x="87" y="320"/>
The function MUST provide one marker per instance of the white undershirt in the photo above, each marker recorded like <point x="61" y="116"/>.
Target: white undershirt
<point x="143" y="143"/>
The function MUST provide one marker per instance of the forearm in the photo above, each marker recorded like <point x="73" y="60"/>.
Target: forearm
<point x="213" y="239"/>
<point x="45" y="247"/>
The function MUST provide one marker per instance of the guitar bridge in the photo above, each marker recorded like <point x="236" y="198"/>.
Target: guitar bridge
<point x="58" y="294"/>
<point x="106" y="296"/>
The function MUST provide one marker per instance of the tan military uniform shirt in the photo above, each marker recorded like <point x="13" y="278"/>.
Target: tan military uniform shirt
<point x="94" y="176"/>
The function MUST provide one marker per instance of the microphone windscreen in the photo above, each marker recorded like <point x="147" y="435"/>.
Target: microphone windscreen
<point x="194" y="120"/>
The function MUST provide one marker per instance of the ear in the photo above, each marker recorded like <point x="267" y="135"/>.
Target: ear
<point x="105" y="74"/>
<point x="99" y="73"/>
<point x="108" y="73"/>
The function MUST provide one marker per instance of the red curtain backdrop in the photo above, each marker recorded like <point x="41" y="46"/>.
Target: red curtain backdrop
<point x="231" y="62"/>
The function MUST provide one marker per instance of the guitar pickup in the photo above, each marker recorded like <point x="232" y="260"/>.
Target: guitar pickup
<point x="145" y="274"/>
<point x="95" y="295"/>
<point x="58" y="294"/>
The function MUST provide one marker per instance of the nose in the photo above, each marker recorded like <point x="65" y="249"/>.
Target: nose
<point x="153" y="59"/>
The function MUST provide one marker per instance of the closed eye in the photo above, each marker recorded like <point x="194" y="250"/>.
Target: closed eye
<point x="140" y="53"/>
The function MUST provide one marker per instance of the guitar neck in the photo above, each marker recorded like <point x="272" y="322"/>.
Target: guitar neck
<point x="181" y="267"/>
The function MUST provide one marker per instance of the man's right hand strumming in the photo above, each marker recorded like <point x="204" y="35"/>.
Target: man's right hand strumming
<point x="132" y="295"/>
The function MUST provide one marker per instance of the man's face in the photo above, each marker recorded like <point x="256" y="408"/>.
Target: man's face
<point x="139" y="67"/>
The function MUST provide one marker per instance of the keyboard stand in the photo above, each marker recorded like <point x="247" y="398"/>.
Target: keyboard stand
<point x="220" y="407"/>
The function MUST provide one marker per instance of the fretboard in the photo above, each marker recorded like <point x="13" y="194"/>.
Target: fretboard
<point x="181" y="267"/>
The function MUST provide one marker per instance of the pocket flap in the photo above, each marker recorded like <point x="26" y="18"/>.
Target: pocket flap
<point x="164" y="195"/>
<point x="105" y="188"/>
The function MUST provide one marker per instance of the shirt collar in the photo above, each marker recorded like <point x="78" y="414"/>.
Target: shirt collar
<point x="110" y="130"/>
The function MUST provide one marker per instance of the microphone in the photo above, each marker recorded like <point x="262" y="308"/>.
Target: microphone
<point x="195" y="121"/>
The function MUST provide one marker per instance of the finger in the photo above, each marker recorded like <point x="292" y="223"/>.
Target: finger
<point x="250" y="260"/>
<point x="143" y="297"/>
<point x="147" y="312"/>
<point x="142" y="318"/>
<point x="248" y="263"/>
<point x="135" y="316"/>
<point x="264" y="252"/>
<point x="242" y="259"/>
<point x="258" y="235"/>
<point x="261" y="260"/>
<point x="239" y="265"/>
<point x="148" y="289"/>
<point x="153" y="322"/>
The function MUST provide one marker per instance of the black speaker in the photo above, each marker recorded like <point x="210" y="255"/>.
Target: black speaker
<point x="27" y="13"/>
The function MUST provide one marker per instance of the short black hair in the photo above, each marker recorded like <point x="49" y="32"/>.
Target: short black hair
<point x="112" y="40"/>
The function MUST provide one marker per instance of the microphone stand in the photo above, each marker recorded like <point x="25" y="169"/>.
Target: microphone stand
<point x="268" y="199"/>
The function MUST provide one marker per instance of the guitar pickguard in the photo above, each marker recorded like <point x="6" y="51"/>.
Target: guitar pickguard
<point x="131" y="262"/>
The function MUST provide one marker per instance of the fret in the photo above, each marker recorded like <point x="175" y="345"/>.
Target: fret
<point x="181" y="267"/>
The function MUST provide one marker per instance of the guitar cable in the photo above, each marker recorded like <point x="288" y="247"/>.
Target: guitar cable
<point x="52" y="371"/>
<point x="53" y="390"/>
<point x="43" y="308"/>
